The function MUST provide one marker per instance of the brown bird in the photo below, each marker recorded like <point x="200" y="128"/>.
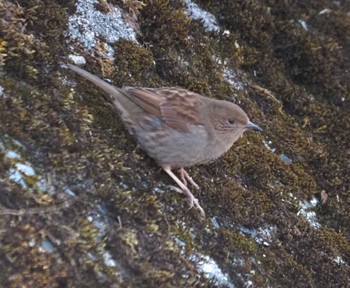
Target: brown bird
<point x="176" y="127"/>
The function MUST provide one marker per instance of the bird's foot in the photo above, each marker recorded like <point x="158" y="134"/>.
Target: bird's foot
<point x="183" y="188"/>
<point x="186" y="177"/>
<point x="193" y="200"/>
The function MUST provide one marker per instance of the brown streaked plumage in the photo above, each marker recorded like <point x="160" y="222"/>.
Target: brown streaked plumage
<point x="176" y="127"/>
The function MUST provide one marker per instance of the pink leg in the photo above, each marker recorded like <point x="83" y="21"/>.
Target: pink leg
<point x="184" y="190"/>
<point x="184" y="176"/>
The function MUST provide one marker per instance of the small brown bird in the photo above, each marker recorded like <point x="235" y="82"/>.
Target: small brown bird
<point x="176" y="127"/>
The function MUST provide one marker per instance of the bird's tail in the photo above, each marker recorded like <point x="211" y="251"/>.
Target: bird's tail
<point x="108" y="88"/>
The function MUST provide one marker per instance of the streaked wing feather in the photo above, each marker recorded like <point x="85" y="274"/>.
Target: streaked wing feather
<point x="144" y="98"/>
<point x="177" y="107"/>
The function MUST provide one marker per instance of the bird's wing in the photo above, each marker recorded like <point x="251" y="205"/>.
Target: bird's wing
<point x="178" y="108"/>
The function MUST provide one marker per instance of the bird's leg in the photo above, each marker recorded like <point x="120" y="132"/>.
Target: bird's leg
<point x="184" y="190"/>
<point x="184" y="176"/>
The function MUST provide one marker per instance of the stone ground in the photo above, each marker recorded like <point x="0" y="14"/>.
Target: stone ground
<point x="83" y="206"/>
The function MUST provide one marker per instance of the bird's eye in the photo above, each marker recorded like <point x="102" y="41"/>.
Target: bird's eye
<point x="231" y="121"/>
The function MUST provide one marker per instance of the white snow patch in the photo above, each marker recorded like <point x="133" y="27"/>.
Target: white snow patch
<point x="77" y="59"/>
<point x="310" y="216"/>
<point x="303" y="24"/>
<point x="339" y="260"/>
<point x="88" y="24"/>
<point x="109" y="261"/>
<point x="325" y="11"/>
<point x="209" y="20"/>
<point x="262" y="236"/>
<point x="211" y="270"/>
<point x="231" y="77"/>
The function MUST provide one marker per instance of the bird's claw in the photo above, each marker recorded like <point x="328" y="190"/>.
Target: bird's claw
<point x="195" y="203"/>
<point x="186" y="177"/>
<point x="193" y="200"/>
<point x="176" y="189"/>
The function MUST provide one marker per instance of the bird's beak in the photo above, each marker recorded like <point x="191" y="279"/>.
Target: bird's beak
<point x="253" y="126"/>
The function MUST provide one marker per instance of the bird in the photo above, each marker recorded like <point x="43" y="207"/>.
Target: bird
<point x="176" y="127"/>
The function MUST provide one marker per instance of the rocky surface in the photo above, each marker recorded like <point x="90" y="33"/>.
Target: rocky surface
<point x="82" y="206"/>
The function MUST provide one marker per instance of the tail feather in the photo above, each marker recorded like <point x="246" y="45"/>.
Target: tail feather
<point x="108" y="88"/>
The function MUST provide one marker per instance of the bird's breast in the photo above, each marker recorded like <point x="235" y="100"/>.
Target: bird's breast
<point x="220" y="143"/>
<point x="175" y="148"/>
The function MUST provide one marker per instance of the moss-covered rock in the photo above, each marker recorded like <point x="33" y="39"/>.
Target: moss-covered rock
<point x="82" y="206"/>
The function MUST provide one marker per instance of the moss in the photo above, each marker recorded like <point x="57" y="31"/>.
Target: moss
<point x="251" y="21"/>
<point x="165" y="18"/>
<point x="285" y="270"/>
<point x="24" y="51"/>
<point x="294" y="85"/>
<point x="139" y="60"/>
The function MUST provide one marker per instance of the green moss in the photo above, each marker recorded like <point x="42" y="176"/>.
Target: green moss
<point x="165" y="18"/>
<point x="294" y="85"/>
<point x="139" y="60"/>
